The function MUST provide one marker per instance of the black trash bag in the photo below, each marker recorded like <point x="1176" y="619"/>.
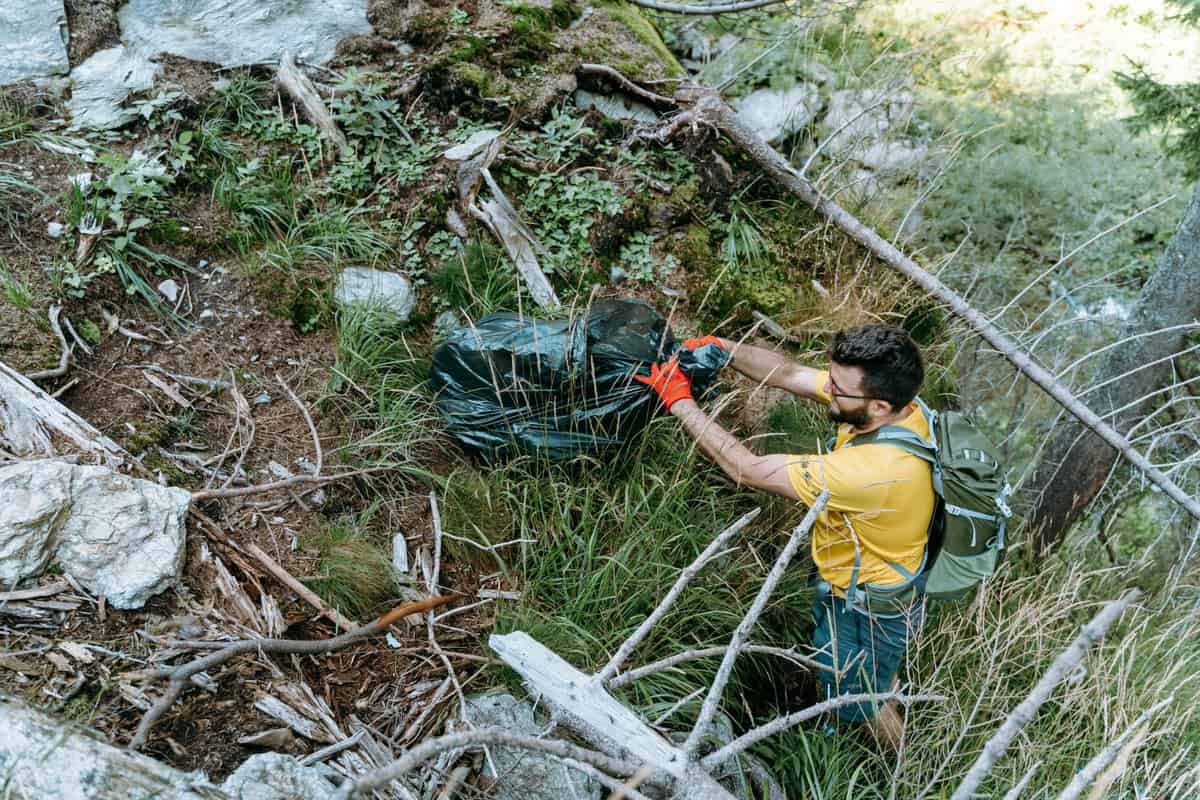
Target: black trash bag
<point x="559" y="388"/>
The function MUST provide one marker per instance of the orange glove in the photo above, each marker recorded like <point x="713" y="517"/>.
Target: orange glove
<point x="668" y="381"/>
<point x="692" y="344"/>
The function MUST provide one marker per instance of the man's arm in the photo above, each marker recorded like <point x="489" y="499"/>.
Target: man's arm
<point x="766" y="366"/>
<point x="767" y="473"/>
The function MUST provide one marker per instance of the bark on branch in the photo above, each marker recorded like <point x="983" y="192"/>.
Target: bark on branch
<point x="298" y="86"/>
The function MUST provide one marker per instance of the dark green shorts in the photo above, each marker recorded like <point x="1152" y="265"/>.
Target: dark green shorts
<point x="867" y="648"/>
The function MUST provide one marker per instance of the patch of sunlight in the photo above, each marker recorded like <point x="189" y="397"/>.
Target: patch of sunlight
<point x="1044" y="46"/>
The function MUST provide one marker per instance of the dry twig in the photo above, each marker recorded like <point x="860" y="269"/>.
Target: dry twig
<point x="64" y="360"/>
<point x="180" y="676"/>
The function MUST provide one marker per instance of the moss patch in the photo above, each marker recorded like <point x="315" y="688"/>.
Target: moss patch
<point x="644" y="31"/>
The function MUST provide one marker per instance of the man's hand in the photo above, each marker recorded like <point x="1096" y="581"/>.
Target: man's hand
<point x="692" y="344"/>
<point x="668" y="381"/>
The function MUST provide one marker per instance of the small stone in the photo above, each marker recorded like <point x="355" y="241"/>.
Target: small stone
<point x="279" y="470"/>
<point x="169" y="289"/>
<point x="202" y="263"/>
<point x="262" y="399"/>
<point x="445" y="324"/>
<point x="616" y="276"/>
<point x="615" y="106"/>
<point x="389" y="291"/>
<point x="208" y="313"/>
<point x="273" y="739"/>
<point x="55" y="229"/>
<point x="317" y="499"/>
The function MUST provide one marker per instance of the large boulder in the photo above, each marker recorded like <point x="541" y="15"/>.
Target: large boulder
<point x="32" y="39"/>
<point x="774" y="114"/>
<point x="523" y="774"/>
<point x="120" y="537"/>
<point x="239" y="32"/>
<point x="389" y="291"/>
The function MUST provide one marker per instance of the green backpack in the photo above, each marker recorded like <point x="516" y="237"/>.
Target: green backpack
<point x="966" y="534"/>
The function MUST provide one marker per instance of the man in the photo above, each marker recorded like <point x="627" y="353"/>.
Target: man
<point x="869" y="544"/>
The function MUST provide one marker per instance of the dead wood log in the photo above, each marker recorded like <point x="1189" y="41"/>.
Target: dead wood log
<point x="704" y="107"/>
<point x="31" y="421"/>
<point x="301" y="89"/>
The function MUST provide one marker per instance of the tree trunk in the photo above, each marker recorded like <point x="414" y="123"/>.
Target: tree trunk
<point x="1077" y="462"/>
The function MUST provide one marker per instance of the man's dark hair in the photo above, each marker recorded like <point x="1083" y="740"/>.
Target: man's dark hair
<point x="889" y="358"/>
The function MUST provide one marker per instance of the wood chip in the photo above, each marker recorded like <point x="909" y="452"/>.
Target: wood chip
<point x="498" y="594"/>
<point x="171" y="390"/>
<point x="48" y="590"/>
<point x="60" y="662"/>
<point x="273" y="739"/>
<point x="22" y="666"/>
<point x="77" y="651"/>
<point x="272" y="706"/>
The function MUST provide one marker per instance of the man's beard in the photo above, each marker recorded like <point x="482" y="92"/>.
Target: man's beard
<point x="857" y="418"/>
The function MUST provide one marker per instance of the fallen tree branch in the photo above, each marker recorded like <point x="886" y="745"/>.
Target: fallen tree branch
<point x="685" y="577"/>
<point x="697" y="9"/>
<point x="1084" y="777"/>
<point x="295" y="480"/>
<point x="626" y="85"/>
<point x="299" y="588"/>
<point x="64" y="360"/>
<point x="180" y="676"/>
<point x="430" y="748"/>
<point x="30" y="421"/>
<point x="626" y="678"/>
<point x="1024" y="713"/>
<point x="704" y="106"/>
<point x="751" y="738"/>
<point x="742" y="633"/>
<point x="298" y="86"/>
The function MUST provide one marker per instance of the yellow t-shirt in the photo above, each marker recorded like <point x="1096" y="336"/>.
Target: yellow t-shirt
<point x="880" y="500"/>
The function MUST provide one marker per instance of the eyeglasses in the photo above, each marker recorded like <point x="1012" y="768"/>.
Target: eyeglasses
<point x="837" y="391"/>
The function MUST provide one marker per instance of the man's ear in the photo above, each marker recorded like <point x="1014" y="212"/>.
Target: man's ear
<point x="881" y="408"/>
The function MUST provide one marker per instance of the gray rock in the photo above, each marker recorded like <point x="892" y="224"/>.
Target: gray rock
<point x="276" y="776"/>
<point x="390" y="291"/>
<point x="445" y="324"/>
<point x="817" y="72"/>
<point x="32" y="39"/>
<point x="101" y="85"/>
<point x="892" y="156"/>
<point x="120" y="537"/>
<point x="615" y="106"/>
<point x="238" y="32"/>
<point x="617" y="276"/>
<point x="524" y="775"/>
<point x="774" y="114"/>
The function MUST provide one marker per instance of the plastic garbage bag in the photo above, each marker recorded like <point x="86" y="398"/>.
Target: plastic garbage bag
<point x="559" y="388"/>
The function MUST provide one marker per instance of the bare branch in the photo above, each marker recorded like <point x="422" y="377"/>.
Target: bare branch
<point x="626" y="678"/>
<point x="430" y="748"/>
<point x="709" y="709"/>
<point x="64" y="360"/>
<point x="295" y="480"/>
<point x="1023" y="714"/>
<point x="179" y="677"/>
<point x="628" y="86"/>
<point x="705" y="8"/>
<point x="287" y="579"/>
<point x="685" y="577"/>
<point x="1085" y="776"/>
<point x="1015" y="791"/>
<point x="312" y="428"/>
<point x="751" y="738"/>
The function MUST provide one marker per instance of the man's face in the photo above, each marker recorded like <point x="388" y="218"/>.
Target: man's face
<point x="849" y="402"/>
